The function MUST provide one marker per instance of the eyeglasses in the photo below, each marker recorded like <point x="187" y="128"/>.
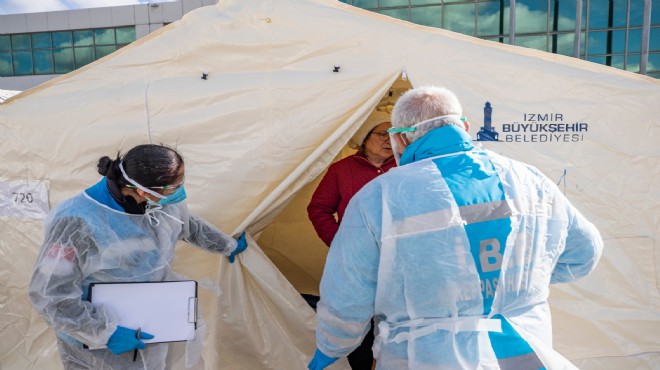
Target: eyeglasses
<point x="164" y="187"/>
<point x="168" y="187"/>
<point x="382" y="135"/>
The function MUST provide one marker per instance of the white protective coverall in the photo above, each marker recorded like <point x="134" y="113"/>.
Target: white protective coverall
<point x="453" y="253"/>
<point x="88" y="241"/>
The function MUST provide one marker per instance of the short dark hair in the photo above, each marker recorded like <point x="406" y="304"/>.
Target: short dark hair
<point x="148" y="164"/>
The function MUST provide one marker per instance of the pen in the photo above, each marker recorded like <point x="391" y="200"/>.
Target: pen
<point x="137" y="335"/>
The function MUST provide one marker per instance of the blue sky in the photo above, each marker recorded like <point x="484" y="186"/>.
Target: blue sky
<point x="34" y="6"/>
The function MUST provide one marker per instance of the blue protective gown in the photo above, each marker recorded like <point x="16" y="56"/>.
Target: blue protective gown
<point x="89" y="238"/>
<point x="453" y="253"/>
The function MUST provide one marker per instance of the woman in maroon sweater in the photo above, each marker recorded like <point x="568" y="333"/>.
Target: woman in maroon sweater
<point x="345" y="177"/>
<point x="343" y="180"/>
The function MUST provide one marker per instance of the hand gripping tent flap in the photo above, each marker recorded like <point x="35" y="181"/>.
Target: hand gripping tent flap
<point x="273" y="112"/>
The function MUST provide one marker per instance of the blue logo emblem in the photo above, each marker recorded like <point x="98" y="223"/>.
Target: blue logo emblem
<point x="487" y="131"/>
<point x="544" y="127"/>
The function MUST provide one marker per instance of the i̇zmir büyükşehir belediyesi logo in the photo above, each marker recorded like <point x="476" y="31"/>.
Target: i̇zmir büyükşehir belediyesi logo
<point x="534" y="128"/>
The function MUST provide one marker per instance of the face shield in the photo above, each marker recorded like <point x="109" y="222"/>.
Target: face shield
<point x="402" y="130"/>
<point x="395" y="145"/>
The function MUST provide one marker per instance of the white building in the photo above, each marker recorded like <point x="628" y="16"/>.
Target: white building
<point x="36" y="47"/>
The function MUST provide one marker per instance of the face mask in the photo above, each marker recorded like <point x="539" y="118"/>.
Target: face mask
<point x="178" y="196"/>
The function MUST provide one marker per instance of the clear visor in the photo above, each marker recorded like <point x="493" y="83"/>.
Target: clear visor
<point x="395" y="148"/>
<point x="415" y="126"/>
<point x="400" y="130"/>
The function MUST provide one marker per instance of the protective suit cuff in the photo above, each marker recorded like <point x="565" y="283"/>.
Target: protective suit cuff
<point x="232" y="246"/>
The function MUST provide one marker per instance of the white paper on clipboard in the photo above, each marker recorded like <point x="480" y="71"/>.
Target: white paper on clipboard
<point x="165" y="309"/>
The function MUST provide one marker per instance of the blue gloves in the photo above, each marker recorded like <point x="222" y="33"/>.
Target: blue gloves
<point x="242" y="245"/>
<point x="321" y="361"/>
<point x="124" y="340"/>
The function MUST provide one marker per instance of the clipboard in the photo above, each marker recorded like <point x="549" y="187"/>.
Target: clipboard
<point x="165" y="309"/>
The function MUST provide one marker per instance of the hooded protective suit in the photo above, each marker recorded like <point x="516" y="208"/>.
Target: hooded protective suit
<point x="453" y="253"/>
<point x="90" y="239"/>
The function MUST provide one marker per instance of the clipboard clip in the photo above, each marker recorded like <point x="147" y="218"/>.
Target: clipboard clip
<point x="192" y="310"/>
<point x="138" y="334"/>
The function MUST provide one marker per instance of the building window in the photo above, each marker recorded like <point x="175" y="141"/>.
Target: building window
<point x="531" y="16"/>
<point x="427" y="15"/>
<point x="60" y="52"/>
<point x="492" y="19"/>
<point x="22" y="63"/>
<point x="6" y="68"/>
<point x="654" y="39"/>
<point x="400" y="13"/>
<point x="611" y="30"/>
<point x="653" y="66"/>
<point x="20" y="42"/>
<point x="125" y="35"/>
<point x="63" y="60"/>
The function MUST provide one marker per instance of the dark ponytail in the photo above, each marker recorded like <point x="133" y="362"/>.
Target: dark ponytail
<point x="110" y="168"/>
<point x="104" y="165"/>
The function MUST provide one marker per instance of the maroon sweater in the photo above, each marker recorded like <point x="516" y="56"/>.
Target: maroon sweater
<point x="343" y="179"/>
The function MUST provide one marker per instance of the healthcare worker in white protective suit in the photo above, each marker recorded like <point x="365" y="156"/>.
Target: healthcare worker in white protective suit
<point x="453" y="253"/>
<point x="123" y="229"/>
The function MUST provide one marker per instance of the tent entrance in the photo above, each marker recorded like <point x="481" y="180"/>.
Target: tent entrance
<point x="290" y="240"/>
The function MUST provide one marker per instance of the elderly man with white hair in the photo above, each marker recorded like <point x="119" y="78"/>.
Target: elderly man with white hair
<point x="452" y="253"/>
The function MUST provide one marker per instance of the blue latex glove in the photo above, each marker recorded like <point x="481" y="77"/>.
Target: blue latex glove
<point x="124" y="340"/>
<point x="321" y="361"/>
<point x="242" y="245"/>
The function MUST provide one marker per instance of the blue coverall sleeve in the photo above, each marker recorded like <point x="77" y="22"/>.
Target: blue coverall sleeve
<point x="348" y="285"/>
<point x="584" y="247"/>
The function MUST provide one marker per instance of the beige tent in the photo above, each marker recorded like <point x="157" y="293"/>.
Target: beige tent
<point x="272" y="115"/>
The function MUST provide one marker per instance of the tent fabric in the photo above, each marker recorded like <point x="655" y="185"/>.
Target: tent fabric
<point x="272" y="115"/>
<point x="266" y="301"/>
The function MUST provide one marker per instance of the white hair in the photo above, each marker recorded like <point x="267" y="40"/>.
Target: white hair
<point x="423" y="103"/>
